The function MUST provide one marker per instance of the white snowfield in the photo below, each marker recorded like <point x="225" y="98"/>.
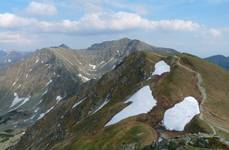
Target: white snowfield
<point x="92" y="66"/>
<point x="101" y="106"/>
<point x="18" y="100"/>
<point x="83" y="77"/>
<point x="58" y="98"/>
<point x="161" y="67"/>
<point x="181" y="114"/>
<point x="141" y="102"/>
<point x="43" y="114"/>
<point x="49" y="82"/>
<point x="79" y="102"/>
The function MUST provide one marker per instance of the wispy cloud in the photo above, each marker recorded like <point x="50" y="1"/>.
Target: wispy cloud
<point x="37" y="8"/>
<point x="166" y="23"/>
<point x="9" y="20"/>
<point x="101" y="23"/>
<point x="15" y="38"/>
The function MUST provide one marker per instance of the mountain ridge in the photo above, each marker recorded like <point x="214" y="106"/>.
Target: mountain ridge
<point x="73" y="94"/>
<point x="220" y="60"/>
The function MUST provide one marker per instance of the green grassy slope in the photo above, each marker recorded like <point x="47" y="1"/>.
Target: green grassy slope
<point x="79" y="128"/>
<point x="216" y="83"/>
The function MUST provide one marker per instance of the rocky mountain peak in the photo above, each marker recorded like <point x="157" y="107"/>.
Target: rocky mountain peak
<point x="63" y="46"/>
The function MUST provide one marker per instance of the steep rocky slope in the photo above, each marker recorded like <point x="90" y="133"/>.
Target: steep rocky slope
<point x="122" y="94"/>
<point x="82" y="121"/>
<point x="33" y="87"/>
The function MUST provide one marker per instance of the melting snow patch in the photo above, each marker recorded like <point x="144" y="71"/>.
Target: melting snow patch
<point x="101" y="106"/>
<point x="59" y="98"/>
<point x="92" y="66"/>
<point x="43" y="114"/>
<point x="50" y="81"/>
<point x="18" y="100"/>
<point x="141" y="102"/>
<point x="182" y="113"/>
<point x="36" y="110"/>
<point x="160" y="68"/>
<point x="25" y="100"/>
<point x="49" y="110"/>
<point x="77" y="103"/>
<point x="45" y="92"/>
<point x="113" y="67"/>
<point x="83" y="77"/>
<point x="9" y="60"/>
<point x="14" y="83"/>
<point x="19" y="86"/>
<point x="37" y="60"/>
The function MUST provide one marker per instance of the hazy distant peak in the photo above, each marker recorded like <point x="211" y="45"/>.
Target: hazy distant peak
<point x="220" y="60"/>
<point x="63" y="46"/>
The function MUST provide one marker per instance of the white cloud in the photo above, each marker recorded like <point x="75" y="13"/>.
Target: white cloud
<point x="215" y="32"/>
<point x="101" y="23"/>
<point x="116" y="22"/>
<point x="176" y="24"/>
<point x="8" y="20"/>
<point x="15" y="38"/>
<point x="37" y="8"/>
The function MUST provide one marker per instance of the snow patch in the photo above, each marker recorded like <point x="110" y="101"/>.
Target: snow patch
<point x="14" y="83"/>
<point x="43" y="114"/>
<point x="59" y="98"/>
<point x="25" y="100"/>
<point x="19" y="86"/>
<point x="181" y="114"/>
<point x="161" y="67"/>
<point x="49" y="82"/>
<point x="92" y="66"/>
<point x="101" y="106"/>
<point x="18" y="100"/>
<point x="141" y="102"/>
<point x="113" y="67"/>
<point x="83" y="77"/>
<point x="37" y="61"/>
<point x="9" y="60"/>
<point x="36" y="110"/>
<point x="45" y="92"/>
<point x="77" y="103"/>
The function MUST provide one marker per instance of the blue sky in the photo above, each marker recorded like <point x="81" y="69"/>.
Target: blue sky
<point x="200" y="27"/>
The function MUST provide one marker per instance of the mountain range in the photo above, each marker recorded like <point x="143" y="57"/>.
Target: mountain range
<point x="121" y="94"/>
<point x="220" y="60"/>
<point x="10" y="57"/>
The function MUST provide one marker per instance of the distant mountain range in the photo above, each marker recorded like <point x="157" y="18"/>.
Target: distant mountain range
<point x="220" y="60"/>
<point x="10" y="57"/>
